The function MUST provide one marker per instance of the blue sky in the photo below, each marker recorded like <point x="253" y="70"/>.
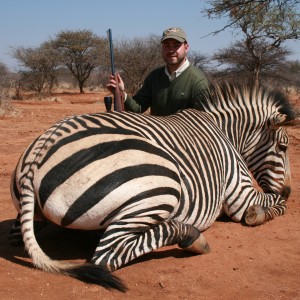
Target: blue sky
<point x="28" y="23"/>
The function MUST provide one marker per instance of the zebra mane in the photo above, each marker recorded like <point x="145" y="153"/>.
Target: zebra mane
<point x="247" y="95"/>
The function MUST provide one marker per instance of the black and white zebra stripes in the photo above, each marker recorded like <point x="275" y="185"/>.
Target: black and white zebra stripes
<point x="254" y="118"/>
<point x="147" y="181"/>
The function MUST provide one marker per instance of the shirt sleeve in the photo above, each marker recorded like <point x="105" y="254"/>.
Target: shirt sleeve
<point x="201" y="91"/>
<point x="141" y="101"/>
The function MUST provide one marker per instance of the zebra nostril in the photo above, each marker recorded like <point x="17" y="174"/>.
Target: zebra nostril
<point x="267" y="189"/>
<point x="286" y="191"/>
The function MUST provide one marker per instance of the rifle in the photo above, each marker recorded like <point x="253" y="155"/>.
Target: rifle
<point x="118" y="101"/>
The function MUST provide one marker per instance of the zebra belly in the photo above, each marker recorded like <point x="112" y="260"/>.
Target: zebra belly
<point x="105" y="190"/>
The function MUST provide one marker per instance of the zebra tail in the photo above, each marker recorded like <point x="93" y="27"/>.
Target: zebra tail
<point x="87" y="272"/>
<point x="95" y="274"/>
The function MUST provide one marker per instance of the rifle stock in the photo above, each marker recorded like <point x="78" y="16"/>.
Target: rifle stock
<point x="118" y="97"/>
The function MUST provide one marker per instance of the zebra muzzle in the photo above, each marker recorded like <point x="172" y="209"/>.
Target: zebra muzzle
<point x="286" y="191"/>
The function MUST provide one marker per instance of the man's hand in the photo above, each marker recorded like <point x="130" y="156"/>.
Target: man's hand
<point x="112" y="83"/>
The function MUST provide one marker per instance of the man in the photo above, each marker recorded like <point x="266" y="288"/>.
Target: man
<point x="172" y="87"/>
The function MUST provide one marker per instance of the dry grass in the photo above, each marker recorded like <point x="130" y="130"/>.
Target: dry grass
<point x="7" y="108"/>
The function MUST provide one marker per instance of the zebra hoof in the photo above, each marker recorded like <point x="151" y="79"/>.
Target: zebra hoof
<point x="199" y="246"/>
<point x="255" y="215"/>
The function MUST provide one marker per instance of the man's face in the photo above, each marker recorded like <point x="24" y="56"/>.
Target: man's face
<point x="174" y="52"/>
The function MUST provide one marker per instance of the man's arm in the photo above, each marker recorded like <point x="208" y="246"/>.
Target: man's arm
<point x="141" y="101"/>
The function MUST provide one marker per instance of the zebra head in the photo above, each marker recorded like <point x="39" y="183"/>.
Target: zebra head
<point x="269" y="160"/>
<point x="255" y="119"/>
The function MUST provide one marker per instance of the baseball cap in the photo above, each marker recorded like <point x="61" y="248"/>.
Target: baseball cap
<point x="174" y="33"/>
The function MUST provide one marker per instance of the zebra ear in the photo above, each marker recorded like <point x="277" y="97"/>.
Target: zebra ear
<point x="283" y="122"/>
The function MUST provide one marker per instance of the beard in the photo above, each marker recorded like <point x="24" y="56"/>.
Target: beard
<point x="175" y="60"/>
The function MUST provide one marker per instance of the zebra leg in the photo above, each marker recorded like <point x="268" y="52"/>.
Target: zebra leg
<point x="257" y="214"/>
<point x="199" y="245"/>
<point x="118" y="247"/>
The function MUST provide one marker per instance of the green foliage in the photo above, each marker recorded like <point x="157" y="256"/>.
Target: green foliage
<point x="81" y="52"/>
<point x="81" y="57"/>
<point x="39" y="67"/>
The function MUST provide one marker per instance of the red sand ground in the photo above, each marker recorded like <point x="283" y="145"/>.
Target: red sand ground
<point x="245" y="263"/>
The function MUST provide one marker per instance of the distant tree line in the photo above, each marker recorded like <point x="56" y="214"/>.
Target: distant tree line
<point x="81" y="58"/>
<point x="264" y="27"/>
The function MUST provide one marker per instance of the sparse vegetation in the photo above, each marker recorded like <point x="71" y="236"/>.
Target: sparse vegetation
<point x="80" y="58"/>
<point x="264" y="27"/>
<point x="6" y="81"/>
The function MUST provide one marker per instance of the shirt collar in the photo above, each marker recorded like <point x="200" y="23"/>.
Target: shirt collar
<point x="178" y="71"/>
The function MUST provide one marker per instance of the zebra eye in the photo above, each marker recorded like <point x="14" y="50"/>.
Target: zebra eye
<point x="282" y="146"/>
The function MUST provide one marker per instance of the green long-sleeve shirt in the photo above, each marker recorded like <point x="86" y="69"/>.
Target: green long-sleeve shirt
<point x="166" y="97"/>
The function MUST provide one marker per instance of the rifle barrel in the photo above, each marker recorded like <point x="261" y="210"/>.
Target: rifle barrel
<point x="118" y="101"/>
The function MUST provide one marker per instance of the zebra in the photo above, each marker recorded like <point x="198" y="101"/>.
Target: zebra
<point x="254" y="119"/>
<point x="147" y="181"/>
<point x="266" y="158"/>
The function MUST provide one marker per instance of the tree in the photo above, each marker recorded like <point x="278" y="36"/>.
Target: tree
<point x="81" y="52"/>
<point x="265" y="26"/>
<point x="136" y="58"/>
<point x="3" y="74"/>
<point x="292" y="73"/>
<point x="4" y="81"/>
<point x="40" y="66"/>
<point x="238" y="63"/>
<point x="240" y="9"/>
<point x="199" y="60"/>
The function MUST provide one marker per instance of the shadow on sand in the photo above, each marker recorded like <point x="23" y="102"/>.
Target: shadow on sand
<point x="67" y="244"/>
